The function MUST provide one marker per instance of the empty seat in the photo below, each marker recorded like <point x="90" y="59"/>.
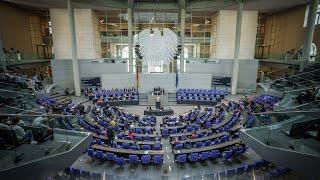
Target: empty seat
<point x="214" y="154"/>
<point x="133" y="159"/>
<point x="120" y="161"/>
<point x="99" y="155"/>
<point x="157" y="159"/>
<point x="204" y="155"/>
<point x="145" y="159"/>
<point x="193" y="157"/>
<point x="182" y="158"/>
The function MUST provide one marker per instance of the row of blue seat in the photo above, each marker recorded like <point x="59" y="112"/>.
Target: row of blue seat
<point x="133" y="159"/>
<point x="202" y="91"/>
<point x="194" y="157"/>
<point x="200" y="144"/>
<point x="137" y="137"/>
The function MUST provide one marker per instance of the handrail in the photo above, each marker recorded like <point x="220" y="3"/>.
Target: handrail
<point x="297" y="75"/>
<point x="283" y="112"/>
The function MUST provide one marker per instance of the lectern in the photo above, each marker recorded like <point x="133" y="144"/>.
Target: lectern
<point x="158" y="103"/>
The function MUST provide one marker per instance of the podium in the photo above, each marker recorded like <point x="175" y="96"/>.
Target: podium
<point x="152" y="99"/>
<point x="158" y="103"/>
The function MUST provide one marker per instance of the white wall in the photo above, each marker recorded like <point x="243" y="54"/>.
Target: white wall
<point x="88" y="45"/>
<point x="149" y="81"/>
<point x="109" y="81"/>
<point x="226" y="32"/>
<point x="198" y="81"/>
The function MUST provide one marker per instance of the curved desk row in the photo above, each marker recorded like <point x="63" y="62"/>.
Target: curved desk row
<point x="207" y="148"/>
<point x="127" y="151"/>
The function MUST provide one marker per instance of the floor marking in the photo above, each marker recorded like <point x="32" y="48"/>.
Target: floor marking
<point x="170" y="168"/>
<point x="168" y="156"/>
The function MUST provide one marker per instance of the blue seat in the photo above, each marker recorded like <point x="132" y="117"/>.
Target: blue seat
<point x="125" y="145"/>
<point x="193" y="157"/>
<point x="174" y="131"/>
<point x="204" y="155"/>
<point x="145" y="159"/>
<point x="227" y="154"/>
<point x="120" y="161"/>
<point x="165" y="132"/>
<point x="133" y="159"/>
<point x="157" y="159"/>
<point x="98" y="141"/>
<point x="189" y="129"/>
<point x="198" y="144"/>
<point x="99" y="155"/>
<point x="214" y="154"/>
<point x="178" y="146"/>
<point x="240" y="169"/>
<point x="146" y="147"/>
<point x="110" y="156"/>
<point x="90" y="152"/>
<point x="134" y="147"/>
<point x="139" y="131"/>
<point x="207" y="143"/>
<point x="157" y="146"/>
<point x="182" y="158"/>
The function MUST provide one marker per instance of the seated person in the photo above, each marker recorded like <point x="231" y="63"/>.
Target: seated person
<point x="193" y="135"/>
<point x="42" y="122"/>
<point x="175" y="141"/>
<point x="131" y="135"/>
<point x="21" y="134"/>
<point x="100" y="100"/>
<point x="184" y="135"/>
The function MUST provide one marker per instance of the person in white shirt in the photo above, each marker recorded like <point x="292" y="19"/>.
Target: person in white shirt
<point x="21" y="133"/>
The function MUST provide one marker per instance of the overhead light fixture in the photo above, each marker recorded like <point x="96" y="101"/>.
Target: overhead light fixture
<point x="196" y="25"/>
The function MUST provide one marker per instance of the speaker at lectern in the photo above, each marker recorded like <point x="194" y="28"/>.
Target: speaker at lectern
<point x="158" y="102"/>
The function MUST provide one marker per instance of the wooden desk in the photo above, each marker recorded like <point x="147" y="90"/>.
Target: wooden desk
<point x="144" y="135"/>
<point x="189" y="134"/>
<point x="213" y="136"/>
<point x="104" y="138"/>
<point x="137" y="142"/>
<point x="95" y="135"/>
<point x="207" y="148"/>
<point x="174" y="127"/>
<point x="127" y="151"/>
<point x="224" y="122"/>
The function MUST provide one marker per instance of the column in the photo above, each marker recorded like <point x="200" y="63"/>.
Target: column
<point x="3" y="65"/>
<point x="237" y="49"/>
<point x="75" y="65"/>
<point x="309" y="31"/>
<point x="130" y="40"/>
<point x="182" y="34"/>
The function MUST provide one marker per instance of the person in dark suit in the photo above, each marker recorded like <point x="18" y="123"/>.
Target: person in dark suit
<point x="110" y="135"/>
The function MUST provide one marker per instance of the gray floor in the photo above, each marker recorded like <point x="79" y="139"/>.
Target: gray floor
<point x="169" y="168"/>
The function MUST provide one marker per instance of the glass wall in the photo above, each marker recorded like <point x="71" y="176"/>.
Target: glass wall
<point x="199" y="35"/>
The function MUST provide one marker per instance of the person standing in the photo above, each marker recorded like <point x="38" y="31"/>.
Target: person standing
<point x="110" y="135"/>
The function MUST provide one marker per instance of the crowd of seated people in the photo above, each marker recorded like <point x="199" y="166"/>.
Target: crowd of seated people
<point x="99" y="95"/>
<point x="308" y="96"/>
<point x="53" y="105"/>
<point x="116" y="128"/>
<point x="14" y="131"/>
<point x="206" y="128"/>
<point x="204" y="95"/>
<point x="22" y="81"/>
<point x="158" y="91"/>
